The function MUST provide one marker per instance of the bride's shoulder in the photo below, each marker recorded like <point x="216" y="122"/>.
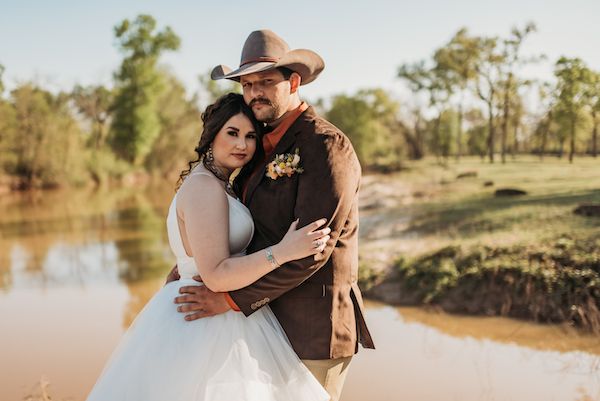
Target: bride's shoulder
<point x="199" y="190"/>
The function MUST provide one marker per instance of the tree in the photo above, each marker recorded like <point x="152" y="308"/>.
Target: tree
<point x="512" y="58"/>
<point x="136" y="123"/>
<point x="433" y="81"/>
<point x="7" y="130"/>
<point x="369" y="120"/>
<point x="561" y="134"/>
<point x="573" y="79"/>
<point x="448" y="127"/>
<point x="476" y="130"/>
<point x="413" y="136"/>
<point x="456" y="62"/>
<point x="180" y="131"/>
<point x="46" y="147"/>
<point x="487" y="83"/>
<point x="547" y="94"/>
<point x="94" y="103"/>
<point x="517" y="107"/>
<point x="477" y="59"/>
<point x="593" y="98"/>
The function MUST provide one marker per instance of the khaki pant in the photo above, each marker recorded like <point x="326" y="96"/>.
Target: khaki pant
<point x="331" y="373"/>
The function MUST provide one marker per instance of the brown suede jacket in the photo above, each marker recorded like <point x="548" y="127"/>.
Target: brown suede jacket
<point x="318" y="303"/>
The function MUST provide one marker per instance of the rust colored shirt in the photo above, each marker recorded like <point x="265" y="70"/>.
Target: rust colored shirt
<point x="271" y="139"/>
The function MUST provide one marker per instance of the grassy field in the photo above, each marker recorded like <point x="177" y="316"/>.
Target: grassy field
<point x="437" y="234"/>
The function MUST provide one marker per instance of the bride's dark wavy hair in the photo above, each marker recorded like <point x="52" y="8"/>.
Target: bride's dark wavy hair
<point x="214" y="118"/>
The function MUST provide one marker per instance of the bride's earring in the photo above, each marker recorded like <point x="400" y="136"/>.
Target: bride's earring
<point x="209" y="155"/>
<point x="209" y="163"/>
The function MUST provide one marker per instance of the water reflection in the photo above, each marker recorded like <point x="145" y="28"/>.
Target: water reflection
<point x="64" y="264"/>
<point x="473" y="361"/>
<point x="70" y="238"/>
<point x="145" y="254"/>
<point x="561" y="338"/>
<point x="77" y="267"/>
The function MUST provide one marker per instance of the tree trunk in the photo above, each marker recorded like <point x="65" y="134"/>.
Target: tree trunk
<point x="491" y="133"/>
<point x="561" y="148"/>
<point x="545" y="136"/>
<point x="419" y="137"/>
<point x="572" y="150"/>
<point x="543" y="144"/>
<point x="436" y="133"/>
<point x="515" y="148"/>
<point x="413" y="140"/>
<point x="505" y="120"/>
<point x="594" y="135"/>
<point x="459" y="133"/>
<point x="415" y="150"/>
<point x="100" y="131"/>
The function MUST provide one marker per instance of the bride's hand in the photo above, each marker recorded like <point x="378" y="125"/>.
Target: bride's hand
<point x="303" y="242"/>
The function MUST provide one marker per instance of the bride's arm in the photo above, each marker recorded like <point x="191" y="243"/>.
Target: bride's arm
<point x="202" y="207"/>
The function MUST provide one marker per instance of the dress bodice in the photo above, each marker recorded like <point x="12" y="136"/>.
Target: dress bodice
<point x="241" y="230"/>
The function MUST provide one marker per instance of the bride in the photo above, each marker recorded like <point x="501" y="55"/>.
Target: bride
<point x="228" y="357"/>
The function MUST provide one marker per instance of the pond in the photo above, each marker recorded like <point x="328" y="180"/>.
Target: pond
<point x="77" y="266"/>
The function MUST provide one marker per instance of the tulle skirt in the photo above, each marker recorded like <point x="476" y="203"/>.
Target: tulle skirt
<point x="228" y="357"/>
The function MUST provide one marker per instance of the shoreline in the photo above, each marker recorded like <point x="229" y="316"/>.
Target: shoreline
<point x="438" y="237"/>
<point x="429" y="238"/>
<point x="438" y="281"/>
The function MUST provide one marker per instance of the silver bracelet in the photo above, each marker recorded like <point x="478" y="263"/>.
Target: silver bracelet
<point x="271" y="258"/>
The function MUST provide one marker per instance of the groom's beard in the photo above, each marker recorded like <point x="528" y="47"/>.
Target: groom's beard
<point x="265" y="114"/>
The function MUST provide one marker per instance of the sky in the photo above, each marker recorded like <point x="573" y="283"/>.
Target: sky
<point x="61" y="43"/>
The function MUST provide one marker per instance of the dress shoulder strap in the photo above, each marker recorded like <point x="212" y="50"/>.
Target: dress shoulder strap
<point x="202" y="173"/>
<point x="206" y="173"/>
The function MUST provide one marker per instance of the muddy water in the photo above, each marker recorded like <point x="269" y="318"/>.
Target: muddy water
<point x="433" y="357"/>
<point x="76" y="267"/>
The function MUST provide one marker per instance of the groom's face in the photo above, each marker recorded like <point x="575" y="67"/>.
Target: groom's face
<point x="267" y="93"/>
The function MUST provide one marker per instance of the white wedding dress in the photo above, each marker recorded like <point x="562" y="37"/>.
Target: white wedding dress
<point x="228" y="357"/>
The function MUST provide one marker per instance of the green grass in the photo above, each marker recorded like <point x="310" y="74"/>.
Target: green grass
<point x="527" y="256"/>
<point x="557" y="282"/>
<point x="466" y="211"/>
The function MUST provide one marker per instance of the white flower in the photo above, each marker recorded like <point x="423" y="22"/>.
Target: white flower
<point x="285" y="164"/>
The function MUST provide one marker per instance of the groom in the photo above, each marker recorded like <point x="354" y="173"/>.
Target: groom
<point x="316" y="299"/>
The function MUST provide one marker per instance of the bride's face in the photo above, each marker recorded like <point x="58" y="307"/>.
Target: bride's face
<point x="235" y="143"/>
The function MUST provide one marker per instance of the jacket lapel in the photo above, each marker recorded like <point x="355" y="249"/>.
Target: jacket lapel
<point x="285" y="143"/>
<point x="254" y="180"/>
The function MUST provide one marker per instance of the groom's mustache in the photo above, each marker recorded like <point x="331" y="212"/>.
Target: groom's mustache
<point x="260" y="100"/>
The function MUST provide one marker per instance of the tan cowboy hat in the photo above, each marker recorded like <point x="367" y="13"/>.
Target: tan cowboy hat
<point x="264" y="50"/>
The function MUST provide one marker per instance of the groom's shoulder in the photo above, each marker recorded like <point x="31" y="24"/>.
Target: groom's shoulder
<point x="317" y="130"/>
<point x="313" y="123"/>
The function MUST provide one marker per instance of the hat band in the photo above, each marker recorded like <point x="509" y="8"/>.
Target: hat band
<point x="260" y="60"/>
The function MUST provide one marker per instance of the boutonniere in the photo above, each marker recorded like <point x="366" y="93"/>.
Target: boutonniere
<point x="286" y="164"/>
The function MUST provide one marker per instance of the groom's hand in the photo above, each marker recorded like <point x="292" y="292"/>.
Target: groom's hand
<point x="197" y="301"/>
<point x="173" y="275"/>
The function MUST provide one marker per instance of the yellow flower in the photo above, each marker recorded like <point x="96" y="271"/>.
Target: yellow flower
<point x="284" y="165"/>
